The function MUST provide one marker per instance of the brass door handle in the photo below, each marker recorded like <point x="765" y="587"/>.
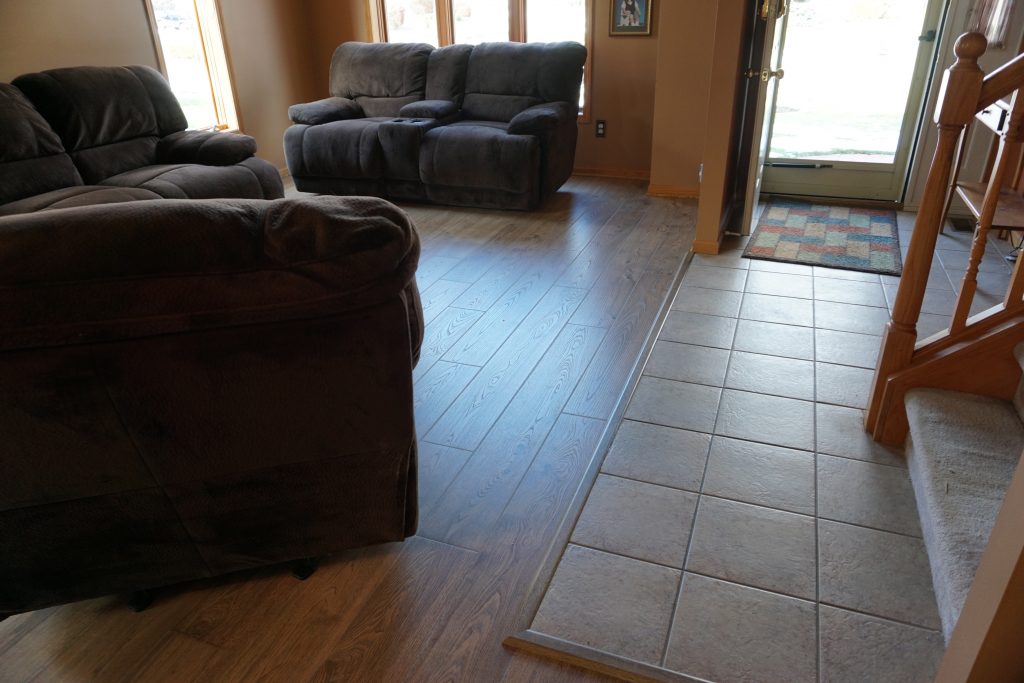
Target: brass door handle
<point x="764" y="74"/>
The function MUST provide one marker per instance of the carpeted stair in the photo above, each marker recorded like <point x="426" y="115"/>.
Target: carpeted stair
<point x="962" y="452"/>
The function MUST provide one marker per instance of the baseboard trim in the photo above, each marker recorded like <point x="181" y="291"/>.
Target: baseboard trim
<point x="706" y="246"/>
<point x="680" y="191"/>
<point x="604" y="172"/>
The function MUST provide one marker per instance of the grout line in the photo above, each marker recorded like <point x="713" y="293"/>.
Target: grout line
<point x="818" y="667"/>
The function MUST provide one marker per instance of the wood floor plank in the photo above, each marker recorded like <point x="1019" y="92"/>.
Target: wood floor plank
<point x="437" y="390"/>
<point x="496" y="325"/>
<point x="590" y="264"/>
<point x="438" y="467"/>
<point x="432" y="269"/>
<point x="439" y="296"/>
<point x="444" y="331"/>
<point x="504" y="574"/>
<point x="390" y="637"/>
<point x="497" y="277"/>
<point x="599" y="390"/>
<point x="466" y="422"/>
<point x="478" y="495"/>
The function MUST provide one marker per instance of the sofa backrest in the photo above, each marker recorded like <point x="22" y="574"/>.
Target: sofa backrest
<point x="505" y="78"/>
<point x="109" y="118"/>
<point x="32" y="158"/>
<point x="381" y="77"/>
<point x="446" y="73"/>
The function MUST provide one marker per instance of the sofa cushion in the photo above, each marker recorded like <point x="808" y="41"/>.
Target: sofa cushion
<point x="193" y="181"/>
<point x="479" y="154"/>
<point x="108" y="118"/>
<point x="340" y="149"/>
<point x="32" y="158"/>
<point x="446" y="73"/>
<point x="503" y="79"/>
<point x="195" y="264"/>
<point x="77" y="195"/>
<point x="379" y="69"/>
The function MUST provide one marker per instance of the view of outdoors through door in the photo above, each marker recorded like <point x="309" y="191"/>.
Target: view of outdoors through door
<point x="847" y="109"/>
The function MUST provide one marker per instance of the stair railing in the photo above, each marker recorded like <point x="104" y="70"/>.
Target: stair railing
<point x="965" y="91"/>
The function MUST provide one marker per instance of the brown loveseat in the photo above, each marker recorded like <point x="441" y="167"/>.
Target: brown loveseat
<point x="490" y="125"/>
<point x="196" y="387"/>
<point x="90" y="135"/>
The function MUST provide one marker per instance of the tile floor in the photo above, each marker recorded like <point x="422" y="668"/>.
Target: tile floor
<point x="743" y="526"/>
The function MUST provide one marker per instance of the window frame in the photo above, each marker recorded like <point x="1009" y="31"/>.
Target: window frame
<point x="210" y="23"/>
<point x="516" y="34"/>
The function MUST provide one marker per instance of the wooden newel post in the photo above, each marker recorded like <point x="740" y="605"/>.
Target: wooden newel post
<point x="957" y="104"/>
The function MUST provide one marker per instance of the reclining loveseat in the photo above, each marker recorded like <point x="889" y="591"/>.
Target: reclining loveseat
<point x="491" y="125"/>
<point x="197" y="387"/>
<point x="91" y="135"/>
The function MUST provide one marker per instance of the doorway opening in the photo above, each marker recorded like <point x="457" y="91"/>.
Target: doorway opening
<point x="845" y="113"/>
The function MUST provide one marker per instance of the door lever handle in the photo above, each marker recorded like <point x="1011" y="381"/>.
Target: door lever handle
<point x="927" y="37"/>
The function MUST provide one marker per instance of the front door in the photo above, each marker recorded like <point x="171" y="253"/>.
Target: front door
<point x="847" y="113"/>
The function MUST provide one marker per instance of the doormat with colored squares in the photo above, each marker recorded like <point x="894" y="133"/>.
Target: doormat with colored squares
<point x="846" y="237"/>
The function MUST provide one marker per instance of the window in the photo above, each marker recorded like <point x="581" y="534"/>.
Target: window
<point x="190" y="47"/>
<point x="443" y="22"/>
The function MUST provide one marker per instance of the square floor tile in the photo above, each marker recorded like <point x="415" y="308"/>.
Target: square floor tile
<point x="843" y="385"/>
<point x="929" y="324"/>
<point x="771" y="375"/>
<point x="611" y="603"/>
<point x="766" y="419"/>
<point x="725" y="632"/>
<point x="840" y="274"/>
<point x="658" y="455"/>
<point x="867" y="494"/>
<point x="761" y="474"/>
<point x="840" y="431"/>
<point x="830" y="315"/>
<point x="707" y="301"/>
<point x="755" y="546"/>
<point x="790" y="341"/>
<point x="780" y="284"/>
<point x="957" y="260"/>
<point x="675" y="404"/>
<point x="857" y="647"/>
<point x="731" y="256"/>
<point x="936" y="301"/>
<point x="849" y="292"/>
<point x="709" y="277"/>
<point x="688" y="363"/>
<point x="847" y="348"/>
<point x="876" y="572"/>
<point x="777" y="309"/>
<point x="780" y="267"/>
<point x="638" y="520"/>
<point x="700" y="329"/>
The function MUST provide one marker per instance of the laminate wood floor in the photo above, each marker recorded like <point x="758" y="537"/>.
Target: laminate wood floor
<point x="534" y="324"/>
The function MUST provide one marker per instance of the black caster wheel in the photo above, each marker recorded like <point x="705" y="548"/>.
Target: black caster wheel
<point x="140" y="600"/>
<point x="303" y="569"/>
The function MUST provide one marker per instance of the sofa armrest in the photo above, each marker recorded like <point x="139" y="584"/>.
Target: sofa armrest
<point x="429" y="109"/>
<point x="325" y="111"/>
<point x="118" y="271"/>
<point x="210" y="148"/>
<point x="541" y="118"/>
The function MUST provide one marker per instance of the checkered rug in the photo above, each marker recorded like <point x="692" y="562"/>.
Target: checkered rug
<point x="844" y="237"/>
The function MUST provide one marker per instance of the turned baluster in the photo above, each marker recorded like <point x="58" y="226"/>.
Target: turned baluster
<point x="957" y="104"/>
<point x="1009" y="148"/>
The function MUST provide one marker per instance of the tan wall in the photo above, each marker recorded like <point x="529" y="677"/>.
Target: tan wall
<point x="333" y="22"/>
<point x="45" y="34"/>
<point x="623" y="95"/>
<point x="683" y="88"/>
<point x="267" y="44"/>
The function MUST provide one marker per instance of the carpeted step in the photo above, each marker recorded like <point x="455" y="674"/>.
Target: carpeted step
<point x="962" y="452"/>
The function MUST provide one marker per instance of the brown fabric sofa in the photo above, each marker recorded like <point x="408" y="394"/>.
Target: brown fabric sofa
<point x="92" y="135"/>
<point x="491" y="125"/>
<point x="198" y="387"/>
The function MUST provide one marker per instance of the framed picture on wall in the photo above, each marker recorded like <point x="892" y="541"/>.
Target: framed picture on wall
<point x="630" y="18"/>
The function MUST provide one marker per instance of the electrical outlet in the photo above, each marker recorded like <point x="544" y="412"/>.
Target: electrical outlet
<point x="599" y="127"/>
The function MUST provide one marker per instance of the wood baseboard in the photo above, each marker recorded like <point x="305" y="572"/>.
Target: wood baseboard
<point x="605" y="172"/>
<point x="711" y="247"/>
<point x="680" y="191"/>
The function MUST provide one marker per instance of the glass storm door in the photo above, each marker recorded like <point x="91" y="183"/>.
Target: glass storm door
<point x="846" y="115"/>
